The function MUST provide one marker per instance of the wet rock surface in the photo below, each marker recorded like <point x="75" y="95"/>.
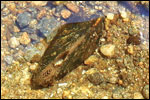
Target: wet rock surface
<point x="46" y="26"/>
<point x="122" y="75"/>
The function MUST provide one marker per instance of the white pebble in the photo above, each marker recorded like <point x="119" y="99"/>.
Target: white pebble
<point x="110" y="16"/>
<point x="13" y="42"/>
<point x="62" y="84"/>
<point x="123" y="14"/>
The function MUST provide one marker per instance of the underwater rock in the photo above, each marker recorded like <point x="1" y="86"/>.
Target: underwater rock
<point x="73" y="43"/>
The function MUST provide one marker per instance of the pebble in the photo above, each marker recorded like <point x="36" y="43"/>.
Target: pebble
<point x="72" y="7"/>
<point x="117" y="93"/>
<point x="23" y="19"/>
<point x="145" y="91"/>
<point x="39" y="3"/>
<point x="31" y="52"/>
<point x="2" y="6"/>
<point x="65" y="13"/>
<point x="12" y="7"/>
<point x="108" y="50"/>
<point x="46" y="26"/>
<point x="66" y="95"/>
<point x="33" y="66"/>
<point x="26" y="77"/>
<point x="13" y="42"/>
<point x="136" y="40"/>
<point x="138" y="95"/>
<point x="16" y="29"/>
<point x="25" y="39"/>
<point x="91" y="60"/>
<point x="130" y="49"/>
<point x="4" y="91"/>
<point x="33" y="12"/>
<point x="94" y="76"/>
<point x="110" y="16"/>
<point x="105" y="97"/>
<point x="8" y="59"/>
<point x="123" y="14"/>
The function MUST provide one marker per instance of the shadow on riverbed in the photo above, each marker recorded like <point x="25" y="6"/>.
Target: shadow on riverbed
<point x="141" y="9"/>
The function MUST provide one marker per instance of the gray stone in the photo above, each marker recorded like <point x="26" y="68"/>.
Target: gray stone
<point x="47" y="26"/>
<point x="23" y="19"/>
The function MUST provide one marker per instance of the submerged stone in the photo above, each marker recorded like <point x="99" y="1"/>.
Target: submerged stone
<point x="73" y="43"/>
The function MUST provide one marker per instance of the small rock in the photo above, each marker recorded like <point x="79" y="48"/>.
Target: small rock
<point x="136" y="40"/>
<point x="25" y="39"/>
<point x="72" y="7"/>
<point x="145" y="91"/>
<point x="26" y="77"/>
<point x="33" y="12"/>
<point x="108" y="50"/>
<point x="92" y="59"/>
<point x="16" y="29"/>
<point x="13" y="42"/>
<point x="105" y="97"/>
<point x="2" y="6"/>
<point x="123" y="14"/>
<point x="33" y="66"/>
<point x="32" y="54"/>
<point x="47" y="26"/>
<point x="66" y="95"/>
<point x="39" y="3"/>
<point x="4" y="91"/>
<point x="94" y="76"/>
<point x="57" y="3"/>
<point x="117" y="93"/>
<point x="138" y="95"/>
<point x="23" y="19"/>
<point x="130" y="49"/>
<point x="65" y="13"/>
<point x="8" y="59"/>
<point x="12" y="7"/>
<point x="110" y="16"/>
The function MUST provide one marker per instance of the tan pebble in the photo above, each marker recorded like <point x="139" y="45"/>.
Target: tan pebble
<point x="72" y="7"/>
<point x="91" y="71"/>
<point x="110" y="16"/>
<point x="126" y="19"/>
<point x="39" y="3"/>
<point x="66" y="95"/>
<point x="16" y="29"/>
<point x="4" y="91"/>
<point x="138" y="95"/>
<point x="33" y="23"/>
<point x="130" y="49"/>
<point x="140" y="64"/>
<point x="120" y="82"/>
<point x="34" y="66"/>
<point x="12" y="7"/>
<point x="105" y="97"/>
<point x="92" y="59"/>
<point x="65" y="13"/>
<point x="25" y="39"/>
<point x="26" y="77"/>
<point x="41" y="14"/>
<point x="108" y="50"/>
